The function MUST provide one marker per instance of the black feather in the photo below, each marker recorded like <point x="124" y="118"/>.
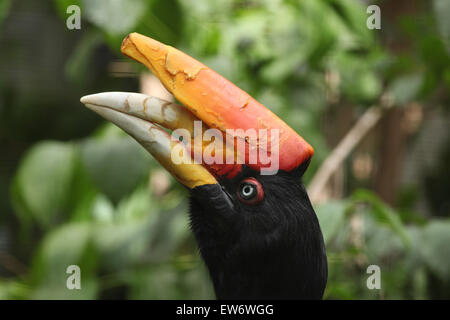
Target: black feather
<point x="271" y="250"/>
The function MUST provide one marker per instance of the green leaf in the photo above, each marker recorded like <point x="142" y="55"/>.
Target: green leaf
<point x="60" y="248"/>
<point x="5" y="5"/>
<point x="442" y="12"/>
<point x="77" y="66"/>
<point x="354" y="15"/>
<point x="406" y="88"/>
<point x="156" y="282"/>
<point x="83" y="194"/>
<point x="43" y="181"/>
<point x="68" y="245"/>
<point x="359" y="82"/>
<point x="281" y="68"/>
<point x="171" y="229"/>
<point x="116" y="17"/>
<point x="383" y="213"/>
<point x="13" y="290"/>
<point x="120" y="244"/>
<point x="331" y="215"/>
<point x="116" y="165"/>
<point x="137" y="205"/>
<point x="103" y="209"/>
<point x="435" y="247"/>
<point x="382" y="242"/>
<point x="163" y="21"/>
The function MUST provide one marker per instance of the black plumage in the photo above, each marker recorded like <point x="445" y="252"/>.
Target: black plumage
<point x="270" y="250"/>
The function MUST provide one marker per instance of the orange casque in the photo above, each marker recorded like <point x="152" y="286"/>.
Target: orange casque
<point x="216" y="101"/>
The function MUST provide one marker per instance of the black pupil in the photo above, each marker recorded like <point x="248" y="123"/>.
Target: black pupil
<point x="248" y="191"/>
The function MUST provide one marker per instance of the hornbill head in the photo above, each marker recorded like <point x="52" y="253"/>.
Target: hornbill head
<point x="254" y="224"/>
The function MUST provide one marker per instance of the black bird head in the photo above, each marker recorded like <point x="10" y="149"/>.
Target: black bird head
<point x="254" y="224"/>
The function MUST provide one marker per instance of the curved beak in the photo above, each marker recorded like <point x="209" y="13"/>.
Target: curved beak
<point x="144" y="118"/>
<point x="243" y="124"/>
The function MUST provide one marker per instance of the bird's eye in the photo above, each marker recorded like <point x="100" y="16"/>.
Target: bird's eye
<point x="250" y="191"/>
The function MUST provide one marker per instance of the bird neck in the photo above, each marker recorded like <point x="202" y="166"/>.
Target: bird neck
<point x="288" y="268"/>
<point x="275" y="251"/>
<point x="280" y="272"/>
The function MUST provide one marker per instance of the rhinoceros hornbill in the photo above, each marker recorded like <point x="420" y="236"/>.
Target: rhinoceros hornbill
<point x="252" y="219"/>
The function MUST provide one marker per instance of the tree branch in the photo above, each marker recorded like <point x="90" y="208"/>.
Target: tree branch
<point x="364" y="124"/>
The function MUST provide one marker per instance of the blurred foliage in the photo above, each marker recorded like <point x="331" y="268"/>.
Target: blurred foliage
<point x="90" y="202"/>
